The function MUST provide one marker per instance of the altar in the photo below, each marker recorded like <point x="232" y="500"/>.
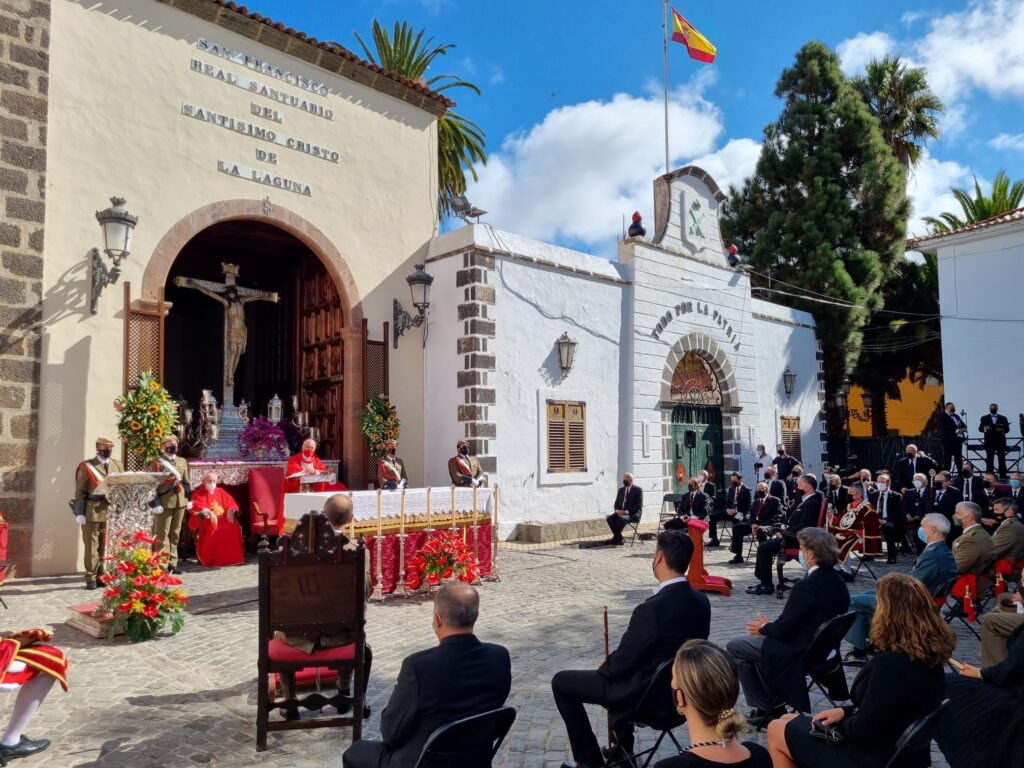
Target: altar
<point x="236" y="472"/>
<point x="396" y="524"/>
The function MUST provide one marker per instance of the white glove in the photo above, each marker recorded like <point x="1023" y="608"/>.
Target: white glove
<point x="401" y="484"/>
<point x="158" y="510"/>
<point x="475" y="482"/>
<point x="80" y="519"/>
<point x="188" y="507"/>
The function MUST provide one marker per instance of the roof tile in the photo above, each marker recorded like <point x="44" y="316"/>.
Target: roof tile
<point x="1002" y="218"/>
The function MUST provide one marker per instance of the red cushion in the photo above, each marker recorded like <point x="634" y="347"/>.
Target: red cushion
<point x="279" y="650"/>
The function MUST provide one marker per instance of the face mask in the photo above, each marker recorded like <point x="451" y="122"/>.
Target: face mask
<point x="392" y="451"/>
<point x="918" y="484"/>
<point x="781" y="453"/>
<point x="1015" y="483"/>
<point x="768" y="478"/>
<point x="987" y="483"/>
<point x="736" y="483"/>
<point x="993" y="410"/>
<point x="921" y="535"/>
<point x="171" y="450"/>
<point x="938" y="485"/>
<point x="958" y="521"/>
<point x="968" y="472"/>
<point x="307" y="454"/>
<point x="627" y="483"/>
<point x="803" y="562"/>
<point x="464" y="451"/>
<point x="104" y="453"/>
<point x="210" y="487"/>
<point x="882" y="487"/>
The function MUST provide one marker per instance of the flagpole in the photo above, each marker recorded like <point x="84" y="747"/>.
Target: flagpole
<point x="664" y="29"/>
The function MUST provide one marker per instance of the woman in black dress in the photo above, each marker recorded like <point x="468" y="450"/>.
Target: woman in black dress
<point x="983" y="723"/>
<point x="705" y="686"/>
<point x="904" y="682"/>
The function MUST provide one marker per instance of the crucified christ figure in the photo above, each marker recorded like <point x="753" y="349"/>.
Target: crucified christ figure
<point x="234" y="298"/>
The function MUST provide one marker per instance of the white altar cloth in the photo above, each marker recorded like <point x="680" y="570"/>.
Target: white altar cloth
<point x="364" y="503"/>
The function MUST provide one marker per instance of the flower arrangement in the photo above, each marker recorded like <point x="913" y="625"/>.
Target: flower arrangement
<point x="444" y="557"/>
<point x="140" y="593"/>
<point x="146" y="415"/>
<point x="262" y="438"/>
<point x="380" y="424"/>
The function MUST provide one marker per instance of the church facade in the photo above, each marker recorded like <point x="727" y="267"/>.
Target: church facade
<point x="251" y="153"/>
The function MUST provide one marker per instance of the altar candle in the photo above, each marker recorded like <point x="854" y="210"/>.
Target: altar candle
<point x="378" y="514"/>
<point x="475" y="520"/>
<point x="403" y="511"/>
<point x="352" y="522"/>
<point x="428" y="508"/>
<point x="453" y="506"/>
<point x="494" y="527"/>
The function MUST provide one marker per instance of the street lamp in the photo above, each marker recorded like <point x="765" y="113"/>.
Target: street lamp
<point x="118" y="226"/>
<point x="788" y="381"/>
<point x="419" y="285"/>
<point x="566" y="352"/>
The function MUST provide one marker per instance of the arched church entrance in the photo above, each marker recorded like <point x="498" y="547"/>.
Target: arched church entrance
<point x="698" y="401"/>
<point x="257" y="304"/>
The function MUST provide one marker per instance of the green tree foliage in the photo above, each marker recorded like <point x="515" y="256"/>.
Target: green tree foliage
<point x="825" y="210"/>
<point x="1003" y="198"/>
<point x="460" y="141"/>
<point x="906" y="109"/>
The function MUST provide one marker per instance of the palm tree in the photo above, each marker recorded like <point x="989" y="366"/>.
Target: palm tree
<point x="1005" y="197"/>
<point x="460" y="142"/>
<point x="905" y="107"/>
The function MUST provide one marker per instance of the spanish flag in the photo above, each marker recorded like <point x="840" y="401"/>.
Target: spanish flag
<point x="698" y="46"/>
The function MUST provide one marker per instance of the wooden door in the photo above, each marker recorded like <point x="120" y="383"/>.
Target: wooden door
<point x="697" y="445"/>
<point x="320" y="359"/>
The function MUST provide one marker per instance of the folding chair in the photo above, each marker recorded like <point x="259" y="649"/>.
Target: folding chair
<point x="654" y="710"/>
<point x="918" y="735"/>
<point x="823" y="661"/>
<point x="849" y="549"/>
<point x="634" y="523"/>
<point x="663" y="516"/>
<point x="958" y="599"/>
<point x="471" y="742"/>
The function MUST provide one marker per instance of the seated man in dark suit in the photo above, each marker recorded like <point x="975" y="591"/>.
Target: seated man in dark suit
<point x="738" y="501"/>
<point x="804" y="516"/>
<point x="776" y="487"/>
<point x="676" y="613"/>
<point x="915" y="507"/>
<point x="970" y="485"/>
<point x="629" y="504"/>
<point x="943" y="498"/>
<point x="693" y="504"/>
<point x="458" y="678"/>
<point x="934" y="567"/>
<point x="770" y="656"/>
<point x="912" y="463"/>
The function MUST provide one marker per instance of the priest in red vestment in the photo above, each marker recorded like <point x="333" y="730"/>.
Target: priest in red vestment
<point x="214" y="514"/>
<point x="306" y="462"/>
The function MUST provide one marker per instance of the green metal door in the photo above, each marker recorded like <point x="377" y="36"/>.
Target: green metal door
<point x="697" y="444"/>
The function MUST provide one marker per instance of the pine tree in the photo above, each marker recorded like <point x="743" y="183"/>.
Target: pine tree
<point x="825" y="211"/>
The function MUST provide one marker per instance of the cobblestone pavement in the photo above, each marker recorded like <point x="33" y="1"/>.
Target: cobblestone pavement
<point x="190" y="699"/>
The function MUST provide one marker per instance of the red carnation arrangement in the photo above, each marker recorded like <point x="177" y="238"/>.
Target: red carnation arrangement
<point x="140" y="593"/>
<point x="443" y="557"/>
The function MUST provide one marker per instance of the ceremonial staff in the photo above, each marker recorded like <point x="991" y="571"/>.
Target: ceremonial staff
<point x="606" y="654"/>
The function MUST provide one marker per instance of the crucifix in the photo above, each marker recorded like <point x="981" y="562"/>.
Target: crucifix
<point x="234" y="298"/>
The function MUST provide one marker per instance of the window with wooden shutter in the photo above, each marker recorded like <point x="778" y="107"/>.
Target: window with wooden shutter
<point x="567" y="436"/>
<point x="790" y="435"/>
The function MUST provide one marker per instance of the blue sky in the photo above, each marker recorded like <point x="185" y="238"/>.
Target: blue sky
<point x="572" y="91"/>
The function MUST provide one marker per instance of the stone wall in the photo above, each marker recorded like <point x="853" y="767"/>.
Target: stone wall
<point x="24" y="75"/>
<point x="476" y="346"/>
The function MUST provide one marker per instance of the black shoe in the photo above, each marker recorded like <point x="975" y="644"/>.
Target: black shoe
<point x="847" y="577"/>
<point x="618" y="542"/>
<point x="88" y="585"/>
<point x="759" y="718"/>
<point x="858" y="657"/>
<point x="24" y="748"/>
<point x="291" y="714"/>
<point x="712" y="545"/>
<point x="760" y="589"/>
<point x="891" y="559"/>
<point x="736" y="560"/>
<point x="176" y="571"/>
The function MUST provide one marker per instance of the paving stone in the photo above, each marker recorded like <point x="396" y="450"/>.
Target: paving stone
<point x="189" y="700"/>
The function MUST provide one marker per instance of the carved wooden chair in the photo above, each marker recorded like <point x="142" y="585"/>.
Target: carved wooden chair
<point x="310" y="586"/>
<point x="266" y="502"/>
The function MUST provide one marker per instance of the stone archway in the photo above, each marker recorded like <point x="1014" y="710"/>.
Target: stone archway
<point x="721" y="367"/>
<point x="178" y="236"/>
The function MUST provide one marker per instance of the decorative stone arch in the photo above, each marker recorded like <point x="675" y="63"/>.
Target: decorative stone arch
<point x="722" y="368"/>
<point x="716" y="358"/>
<point x="177" y="237"/>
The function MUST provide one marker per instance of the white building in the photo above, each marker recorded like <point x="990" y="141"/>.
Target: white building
<point x="669" y="342"/>
<point x="981" y="272"/>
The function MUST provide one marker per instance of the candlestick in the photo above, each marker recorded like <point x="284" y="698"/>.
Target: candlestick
<point x="400" y="586"/>
<point x="429" y="527"/>
<point x="476" y="536"/>
<point x="495" y="576"/>
<point x="453" y="508"/>
<point x="352" y="522"/>
<point x="378" y="590"/>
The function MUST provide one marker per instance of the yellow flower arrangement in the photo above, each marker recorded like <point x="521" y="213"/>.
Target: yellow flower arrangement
<point x="136" y="426"/>
<point x="145" y="414"/>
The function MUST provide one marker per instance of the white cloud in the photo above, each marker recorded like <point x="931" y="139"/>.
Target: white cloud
<point x="573" y="175"/>
<point x="929" y="190"/>
<point x="1008" y="141"/>
<point x="912" y="17"/>
<point x="497" y="75"/>
<point x="731" y="164"/>
<point x="856" y="52"/>
<point x="976" y="49"/>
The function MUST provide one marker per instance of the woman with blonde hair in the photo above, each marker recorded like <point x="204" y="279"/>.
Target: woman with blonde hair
<point x="904" y="682"/>
<point x="705" y="686"/>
